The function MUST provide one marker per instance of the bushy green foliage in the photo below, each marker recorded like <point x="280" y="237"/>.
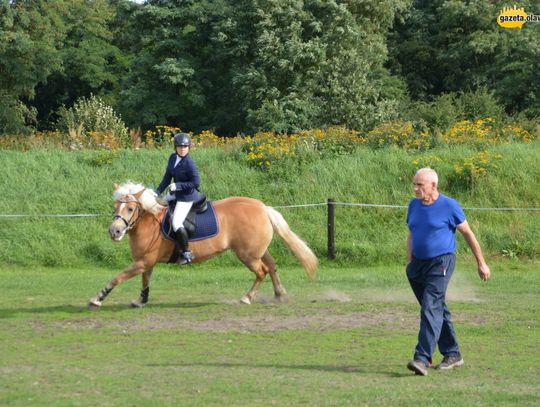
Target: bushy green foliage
<point x="91" y="62"/>
<point x="30" y="34"/>
<point x="272" y="66"/>
<point x="448" y="108"/>
<point x="436" y="52"/>
<point x="247" y="66"/>
<point x="90" y="122"/>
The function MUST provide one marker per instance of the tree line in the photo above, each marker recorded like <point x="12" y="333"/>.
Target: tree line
<point x="263" y="65"/>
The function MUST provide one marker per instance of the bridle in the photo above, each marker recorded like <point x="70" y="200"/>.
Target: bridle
<point x="135" y="215"/>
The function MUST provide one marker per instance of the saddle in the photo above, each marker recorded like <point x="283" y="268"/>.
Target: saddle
<point x="200" y="223"/>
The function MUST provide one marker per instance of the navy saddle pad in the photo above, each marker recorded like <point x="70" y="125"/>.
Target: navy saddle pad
<point x="207" y="225"/>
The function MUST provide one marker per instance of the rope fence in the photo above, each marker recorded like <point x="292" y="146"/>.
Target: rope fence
<point x="396" y="206"/>
<point x="364" y="205"/>
<point x="330" y="204"/>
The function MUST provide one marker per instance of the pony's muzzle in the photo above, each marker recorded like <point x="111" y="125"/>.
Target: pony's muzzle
<point x="117" y="231"/>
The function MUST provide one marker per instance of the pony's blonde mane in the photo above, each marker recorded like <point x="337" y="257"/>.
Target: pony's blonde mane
<point x="147" y="198"/>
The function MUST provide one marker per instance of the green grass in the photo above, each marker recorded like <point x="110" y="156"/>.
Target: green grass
<point x="58" y="182"/>
<point x="343" y="339"/>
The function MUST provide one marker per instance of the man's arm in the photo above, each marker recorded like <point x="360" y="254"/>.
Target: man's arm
<point x="483" y="269"/>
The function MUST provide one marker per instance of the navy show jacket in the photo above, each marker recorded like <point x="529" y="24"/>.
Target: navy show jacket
<point x="185" y="176"/>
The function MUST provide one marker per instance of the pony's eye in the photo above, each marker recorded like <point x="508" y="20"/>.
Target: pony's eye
<point x="130" y="210"/>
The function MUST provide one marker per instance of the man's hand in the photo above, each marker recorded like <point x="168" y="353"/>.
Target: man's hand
<point x="484" y="272"/>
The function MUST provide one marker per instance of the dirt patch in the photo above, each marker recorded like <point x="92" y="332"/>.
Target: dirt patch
<point x="322" y="321"/>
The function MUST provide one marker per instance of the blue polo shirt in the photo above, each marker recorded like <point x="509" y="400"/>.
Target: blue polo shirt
<point x="433" y="227"/>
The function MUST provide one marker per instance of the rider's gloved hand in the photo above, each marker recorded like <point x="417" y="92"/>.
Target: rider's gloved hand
<point x="172" y="188"/>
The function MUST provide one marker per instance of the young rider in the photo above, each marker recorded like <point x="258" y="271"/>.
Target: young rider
<point x="181" y="169"/>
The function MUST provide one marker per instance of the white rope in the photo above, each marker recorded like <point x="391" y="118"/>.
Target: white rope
<point x="403" y="206"/>
<point x="503" y="209"/>
<point x="398" y="206"/>
<point x="299" y="206"/>
<point x="91" y="215"/>
<point x="368" y="205"/>
<point x="75" y="215"/>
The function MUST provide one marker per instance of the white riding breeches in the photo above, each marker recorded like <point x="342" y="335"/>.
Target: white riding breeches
<point x="181" y="210"/>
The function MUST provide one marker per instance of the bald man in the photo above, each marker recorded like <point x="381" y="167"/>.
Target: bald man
<point x="431" y="245"/>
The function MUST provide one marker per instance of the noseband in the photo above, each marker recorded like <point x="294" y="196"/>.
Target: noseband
<point x="134" y="215"/>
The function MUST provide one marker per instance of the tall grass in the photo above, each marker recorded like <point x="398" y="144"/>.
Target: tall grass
<point x="42" y="182"/>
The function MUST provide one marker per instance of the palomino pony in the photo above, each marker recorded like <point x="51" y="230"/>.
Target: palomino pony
<point x="245" y="226"/>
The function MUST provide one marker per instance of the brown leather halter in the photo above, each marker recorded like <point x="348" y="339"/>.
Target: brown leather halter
<point x="135" y="216"/>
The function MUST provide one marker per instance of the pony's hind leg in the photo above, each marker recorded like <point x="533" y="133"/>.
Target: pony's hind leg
<point x="133" y="270"/>
<point x="271" y="268"/>
<point x="260" y="270"/>
<point x="145" y="291"/>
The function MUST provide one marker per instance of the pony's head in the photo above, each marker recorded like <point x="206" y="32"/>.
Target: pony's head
<point x="145" y="196"/>
<point x="131" y="201"/>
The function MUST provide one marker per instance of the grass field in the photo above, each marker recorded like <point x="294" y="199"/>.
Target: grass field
<point x="42" y="182"/>
<point x="343" y="339"/>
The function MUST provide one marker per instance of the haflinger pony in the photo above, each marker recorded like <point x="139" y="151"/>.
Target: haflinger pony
<point x="246" y="226"/>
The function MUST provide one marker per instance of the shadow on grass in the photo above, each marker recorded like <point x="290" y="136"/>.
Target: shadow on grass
<point x="83" y="309"/>
<point x="323" y="368"/>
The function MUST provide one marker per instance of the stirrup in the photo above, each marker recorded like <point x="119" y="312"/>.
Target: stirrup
<point x="186" y="257"/>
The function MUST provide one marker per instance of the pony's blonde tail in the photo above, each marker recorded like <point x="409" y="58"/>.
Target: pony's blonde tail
<point x="298" y="246"/>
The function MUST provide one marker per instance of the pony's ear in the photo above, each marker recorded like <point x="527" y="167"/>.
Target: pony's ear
<point x="138" y="194"/>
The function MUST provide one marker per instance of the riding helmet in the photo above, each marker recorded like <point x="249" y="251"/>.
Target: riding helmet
<point x="182" y="139"/>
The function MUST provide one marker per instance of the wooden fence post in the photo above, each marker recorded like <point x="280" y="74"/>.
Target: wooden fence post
<point x="331" y="248"/>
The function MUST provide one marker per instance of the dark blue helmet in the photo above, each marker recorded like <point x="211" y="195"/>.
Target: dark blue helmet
<point x="182" y="139"/>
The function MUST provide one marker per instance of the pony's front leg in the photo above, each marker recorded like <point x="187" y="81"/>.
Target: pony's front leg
<point x="145" y="291"/>
<point x="133" y="270"/>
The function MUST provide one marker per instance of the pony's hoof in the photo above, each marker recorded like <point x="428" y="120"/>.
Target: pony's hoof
<point x="245" y="300"/>
<point x="137" y="304"/>
<point x="94" y="305"/>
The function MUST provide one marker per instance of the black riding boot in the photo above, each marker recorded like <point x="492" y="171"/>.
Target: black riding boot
<point x="183" y="240"/>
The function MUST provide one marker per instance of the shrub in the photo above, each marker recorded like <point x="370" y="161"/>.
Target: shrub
<point x="161" y="136"/>
<point x="46" y="139"/>
<point x="91" y="123"/>
<point x="515" y="133"/>
<point x="399" y="133"/>
<point x="449" y="108"/>
<point x="469" y="170"/>
<point x="332" y="141"/>
<point x="479" y="133"/>
<point x="265" y="149"/>
<point x="485" y="131"/>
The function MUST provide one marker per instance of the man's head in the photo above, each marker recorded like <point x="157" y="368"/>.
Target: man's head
<point x="425" y="185"/>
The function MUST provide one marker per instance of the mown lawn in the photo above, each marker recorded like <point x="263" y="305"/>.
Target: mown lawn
<point x="343" y="339"/>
